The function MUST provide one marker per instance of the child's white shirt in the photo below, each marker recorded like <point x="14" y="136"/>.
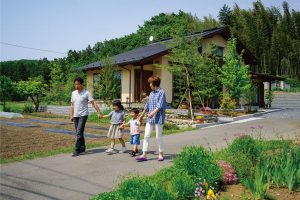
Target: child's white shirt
<point x="135" y="125"/>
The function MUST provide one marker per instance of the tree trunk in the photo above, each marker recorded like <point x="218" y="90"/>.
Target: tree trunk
<point x="189" y="93"/>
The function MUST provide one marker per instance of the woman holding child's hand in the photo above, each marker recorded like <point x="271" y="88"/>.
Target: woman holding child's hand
<point x="155" y="107"/>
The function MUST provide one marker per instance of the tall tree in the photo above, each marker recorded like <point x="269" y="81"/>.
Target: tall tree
<point x="235" y="76"/>
<point x="6" y="89"/>
<point x="107" y="85"/>
<point x="34" y="89"/>
<point x="225" y="15"/>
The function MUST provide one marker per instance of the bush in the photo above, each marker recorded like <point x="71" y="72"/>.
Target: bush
<point x="242" y="164"/>
<point x="227" y="104"/>
<point x="198" y="163"/>
<point x="169" y="126"/>
<point x="107" y="196"/>
<point x="143" y="188"/>
<point x="28" y="108"/>
<point x="245" y="145"/>
<point x="183" y="186"/>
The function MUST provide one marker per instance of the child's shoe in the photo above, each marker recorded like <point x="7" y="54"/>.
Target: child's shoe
<point x="110" y="151"/>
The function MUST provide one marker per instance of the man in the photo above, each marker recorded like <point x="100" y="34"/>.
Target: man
<point x="79" y="113"/>
<point x="155" y="107"/>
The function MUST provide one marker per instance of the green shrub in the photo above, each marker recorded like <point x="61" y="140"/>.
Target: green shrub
<point x="198" y="163"/>
<point x="242" y="164"/>
<point x="28" y="108"/>
<point x="169" y="126"/>
<point x="143" y="188"/>
<point x="107" y="196"/>
<point x="246" y="145"/>
<point x="183" y="185"/>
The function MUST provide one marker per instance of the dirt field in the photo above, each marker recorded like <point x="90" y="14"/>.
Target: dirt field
<point x="17" y="141"/>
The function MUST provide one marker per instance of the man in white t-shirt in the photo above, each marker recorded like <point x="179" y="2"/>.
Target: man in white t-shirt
<point x="79" y="113"/>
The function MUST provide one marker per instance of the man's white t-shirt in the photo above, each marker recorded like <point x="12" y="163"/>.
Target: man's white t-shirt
<point x="81" y="101"/>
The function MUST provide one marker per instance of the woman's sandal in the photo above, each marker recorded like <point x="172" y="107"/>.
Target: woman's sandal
<point x="161" y="159"/>
<point x="141" y="159"/>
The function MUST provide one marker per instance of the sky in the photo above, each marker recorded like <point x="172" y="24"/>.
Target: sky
<point x="60" y="25"/>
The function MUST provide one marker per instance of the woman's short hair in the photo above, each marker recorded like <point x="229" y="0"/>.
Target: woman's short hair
<point x="154" y="80"/>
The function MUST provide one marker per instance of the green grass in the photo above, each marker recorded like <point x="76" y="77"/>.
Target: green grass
<point x="33" y="155"/>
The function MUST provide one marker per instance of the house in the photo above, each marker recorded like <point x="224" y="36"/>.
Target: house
<point x="137" y="65"/>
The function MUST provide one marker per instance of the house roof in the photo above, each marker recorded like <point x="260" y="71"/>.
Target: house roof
<point x="159" y="48"/>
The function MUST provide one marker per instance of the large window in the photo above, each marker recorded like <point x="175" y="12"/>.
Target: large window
<point x="219" y="52"/>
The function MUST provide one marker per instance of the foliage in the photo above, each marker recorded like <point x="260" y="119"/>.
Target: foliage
<point x="249" y="95"/>
<point x="205" y="80"/>
<point x="170" y="126"/>
<point x="108" y="85"/>
<point x="271" y="35"/>
<point x="28" y="108"/>
<point x="225" y="15"/>
<point x="283" y="168"/>
<point x="235" y="76"/>
<point x="227" y="104"/>
<point x="183" y="186"/>
<point x="269" y="98"/>
<point x="258" y="185"/>
<point x="142" y="188"/>
<point x="24" y="69"/>
<point x="246" y="145"/>
<point x="33" y="88"/>
<point x="242" y="164"/>
<point x="198" y="162"/>
<point x="6" y="89"/>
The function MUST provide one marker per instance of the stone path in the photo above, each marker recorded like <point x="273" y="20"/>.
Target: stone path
<point x="65" y="177"/>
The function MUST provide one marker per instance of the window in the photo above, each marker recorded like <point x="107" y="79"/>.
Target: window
<point x="219" y="52"/>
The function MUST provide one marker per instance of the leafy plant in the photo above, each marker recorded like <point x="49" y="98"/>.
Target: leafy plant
<point x="235" y="76"/>
<point x="258" y="185"/>
<point x="28" y="108"/>
<point x="227" y="104"/>
<point x="170" y="126"/>
<point x="198" y="162"/>
<point x="142" y="188"/>
<point x="242" y="164"/>
<point x="269" y="98"/>
<point x="244" y="144"/>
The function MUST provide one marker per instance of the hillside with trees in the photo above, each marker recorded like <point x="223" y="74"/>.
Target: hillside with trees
<point x="273" y="37"/>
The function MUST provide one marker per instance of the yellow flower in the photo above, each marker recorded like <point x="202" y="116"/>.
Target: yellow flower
<point x="211" y="194"/>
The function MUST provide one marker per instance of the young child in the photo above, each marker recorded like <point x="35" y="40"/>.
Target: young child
<point x="135" y="131"/>
<point x="117" y="119"/>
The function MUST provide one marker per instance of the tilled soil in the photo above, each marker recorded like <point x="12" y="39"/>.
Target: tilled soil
<point x="17" y="141"/>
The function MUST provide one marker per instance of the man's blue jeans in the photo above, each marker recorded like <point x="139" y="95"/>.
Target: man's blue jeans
<point x="79" y="127"/>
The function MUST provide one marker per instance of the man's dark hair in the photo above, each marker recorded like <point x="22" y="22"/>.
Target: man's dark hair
<point x="135" y="110"/>
<point x="78" y="79"/>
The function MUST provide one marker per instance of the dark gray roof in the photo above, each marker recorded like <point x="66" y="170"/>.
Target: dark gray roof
<point x="152" y="50"/>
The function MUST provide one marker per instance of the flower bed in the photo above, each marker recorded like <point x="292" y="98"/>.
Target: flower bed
<point x="260" y="167"/>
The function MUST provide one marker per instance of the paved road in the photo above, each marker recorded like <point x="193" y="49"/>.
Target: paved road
<point x="64" y="177"/>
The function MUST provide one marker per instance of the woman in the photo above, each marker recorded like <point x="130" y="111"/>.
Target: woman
<point x="155" y="107"/>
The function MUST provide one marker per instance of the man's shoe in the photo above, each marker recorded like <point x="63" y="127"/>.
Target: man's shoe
<point x="75" y="154"/>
